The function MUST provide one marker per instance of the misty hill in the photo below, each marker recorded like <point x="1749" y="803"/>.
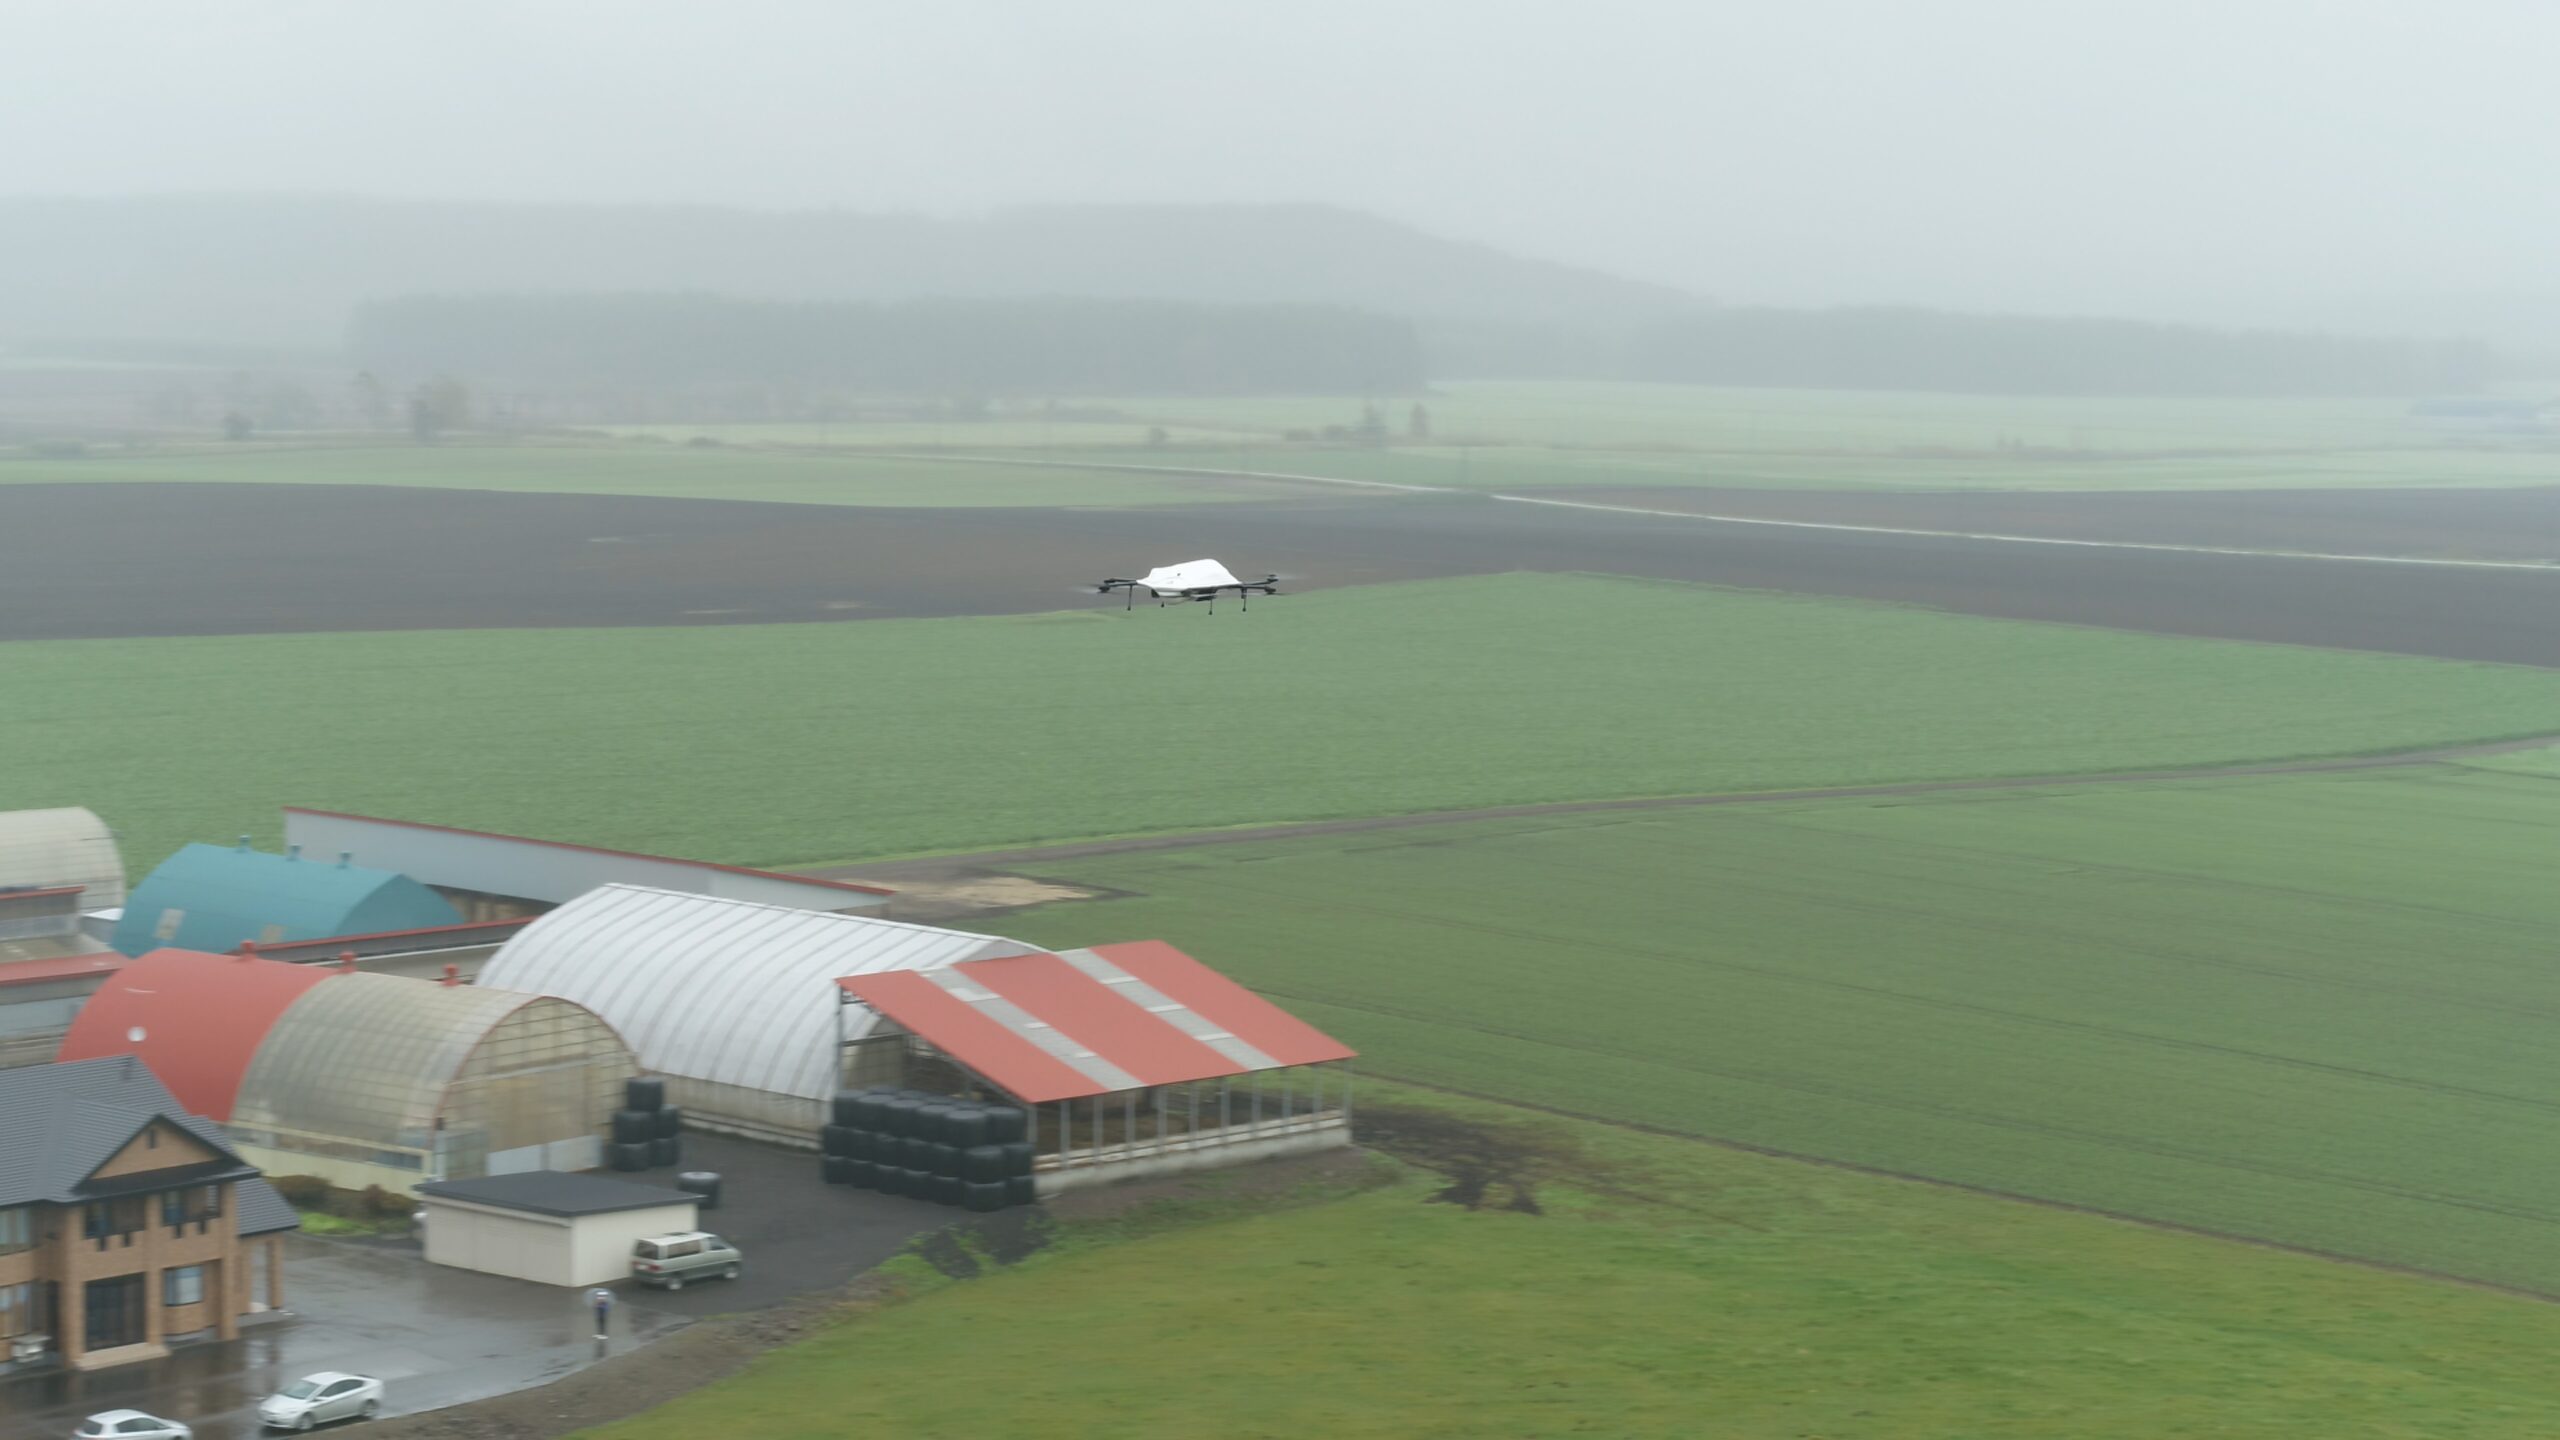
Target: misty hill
<point x="711" y="350"/>
<point x="290" y="270"/>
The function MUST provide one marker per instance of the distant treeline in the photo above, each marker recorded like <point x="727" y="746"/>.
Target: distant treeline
<point x="676" y="343"/>
<point x="1907" y="349"/>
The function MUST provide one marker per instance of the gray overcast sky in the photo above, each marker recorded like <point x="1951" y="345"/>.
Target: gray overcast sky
<point x="2149" y="156"/>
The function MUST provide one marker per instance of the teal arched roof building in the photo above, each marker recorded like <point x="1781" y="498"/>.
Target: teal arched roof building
<point x="210" y="898"/>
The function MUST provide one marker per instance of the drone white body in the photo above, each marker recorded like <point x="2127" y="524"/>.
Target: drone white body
<point x="1191" y="580"/>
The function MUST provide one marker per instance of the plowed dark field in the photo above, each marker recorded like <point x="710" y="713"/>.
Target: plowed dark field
<point x="140" y="559"/>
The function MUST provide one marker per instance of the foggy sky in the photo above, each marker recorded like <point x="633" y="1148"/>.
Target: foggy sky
<point x="2164" y="157"/>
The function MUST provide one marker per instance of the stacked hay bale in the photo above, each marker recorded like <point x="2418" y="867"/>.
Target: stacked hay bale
<point x="932" y="1147"/>
<point x="648" y="1133"/>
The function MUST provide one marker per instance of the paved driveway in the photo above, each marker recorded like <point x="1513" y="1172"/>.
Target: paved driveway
<point x="441" y="1337"/>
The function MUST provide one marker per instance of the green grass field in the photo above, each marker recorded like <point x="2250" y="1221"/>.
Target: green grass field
<point x="1672" y="1290"/>
<point x="809" y="743"/>
<point x="598" y="468"/>
<point x="1485" y="435"/>
<point x="2312" y="1009"/>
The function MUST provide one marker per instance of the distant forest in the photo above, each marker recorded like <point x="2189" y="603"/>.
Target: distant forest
<point x="1908" y="349"/>
<point x="668" y="344"/>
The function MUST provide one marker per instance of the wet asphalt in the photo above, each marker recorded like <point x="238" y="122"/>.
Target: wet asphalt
<point x="438" y="1337"/>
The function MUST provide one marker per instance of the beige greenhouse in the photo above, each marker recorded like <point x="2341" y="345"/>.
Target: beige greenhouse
<point x="365" y="1079"/>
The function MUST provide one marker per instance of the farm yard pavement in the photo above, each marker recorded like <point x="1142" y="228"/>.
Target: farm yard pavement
<point x="97" y="561"/>
<point x="442" y="1337"/>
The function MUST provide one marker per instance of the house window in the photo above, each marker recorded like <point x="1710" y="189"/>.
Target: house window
<point x="100" y="1219"/>
<point x="203" y="1202"/>
<point x="17" y="1230"/>
<point x="18" y="1310"/>
<point x="182" y="1286"/>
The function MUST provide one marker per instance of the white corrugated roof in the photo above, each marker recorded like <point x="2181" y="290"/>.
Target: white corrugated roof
<point x="44" y="848"/>
<point x="722" y="990"/>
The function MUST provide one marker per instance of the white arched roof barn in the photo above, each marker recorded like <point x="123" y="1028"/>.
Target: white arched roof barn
<point x="43" y="849"/>
<point x="735" y="1003"/>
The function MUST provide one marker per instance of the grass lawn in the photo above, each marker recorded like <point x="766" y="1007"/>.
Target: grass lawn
<point x="2314" y="1009"/>
<point x="1669" y="1289"/>
<point x="602" y="468"/>
<point x="809" y="743"/>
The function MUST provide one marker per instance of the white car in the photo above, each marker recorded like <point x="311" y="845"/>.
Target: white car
<point x="319" y="1399"/>
<point x="131" y="1425"/>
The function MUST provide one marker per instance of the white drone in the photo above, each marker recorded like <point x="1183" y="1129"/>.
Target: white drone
<point x="1191" y="580"/>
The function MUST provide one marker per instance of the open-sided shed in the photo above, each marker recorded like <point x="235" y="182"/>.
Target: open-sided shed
<point x="1131" y="1059"/>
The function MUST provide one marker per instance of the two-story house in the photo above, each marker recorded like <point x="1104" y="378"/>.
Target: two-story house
<point x="125" y="1222"/>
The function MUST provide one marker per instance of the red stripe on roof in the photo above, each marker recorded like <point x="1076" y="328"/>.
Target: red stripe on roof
<point x="6" y="894"/>
<point x="1224" y="1003"/>
<point x="960" y="1030"/>
<point x="594" y="850"/>
<point x="61" y="967"/>
<point x="1099" y="1018"/>
<point x="202" y="1019"/>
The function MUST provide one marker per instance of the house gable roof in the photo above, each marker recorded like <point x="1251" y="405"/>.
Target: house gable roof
<point x="59" y="1123"/>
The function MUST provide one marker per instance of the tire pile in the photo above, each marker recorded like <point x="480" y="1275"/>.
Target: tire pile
<point x="933" y="1147"/>
<point x="648" y="1133"/>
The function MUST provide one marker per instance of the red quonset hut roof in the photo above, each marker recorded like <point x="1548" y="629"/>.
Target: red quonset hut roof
<point x="201" y="1019"/>
<point x="1092" y="1022"/>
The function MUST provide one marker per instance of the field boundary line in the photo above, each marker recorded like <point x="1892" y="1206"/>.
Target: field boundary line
<point x="1908" y="532"/>
<point x="888" y="869"/>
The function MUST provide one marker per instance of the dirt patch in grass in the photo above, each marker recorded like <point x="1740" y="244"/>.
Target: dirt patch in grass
<point x="1488" y="1166"/>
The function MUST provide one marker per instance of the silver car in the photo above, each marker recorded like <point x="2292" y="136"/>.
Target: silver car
<point x="130" y="1425"/>
<point x="318" y="1399"/>
<point x="671" y="1260"/>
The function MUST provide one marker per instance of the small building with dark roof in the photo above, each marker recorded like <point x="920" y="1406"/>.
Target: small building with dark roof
<point x="548" y="1226"/>
<point x="125" y="1222"/>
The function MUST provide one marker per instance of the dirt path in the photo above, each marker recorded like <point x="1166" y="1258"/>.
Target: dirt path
<point x="962" y="884"/>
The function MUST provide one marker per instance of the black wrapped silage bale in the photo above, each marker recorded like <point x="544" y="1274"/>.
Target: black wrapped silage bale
<point x="670" y="1121"/>
<point x="1021" y="1190"/>
<point x="982" y="1195"/>
<point x="983" y="1164"/>
<point x="942" y="1159"/>
<point x="863" y="1174"/>
<point x="897" y="1115"/>
<point x="702" y="1183"/>
<point x="915" y="1152"/>
<point x="1018" y="1156"/>
<point x="837" y="1169"/>
<point x="627" y="1157"/>
<point x="840" y="1140"/>
<point x="1006" y="1124"/>
<point x="942" y="1189"/>
<point x="644" y="1092"/>
<point x="664" y="1151"/>
<point x="900" y="1180"/>
<point x="931" y="1114"/>
<point x="964" y="1126"/>
<point x="864" y="1144"/>
<point x="853" y="1107"/>
<point x="634" y="1127"/>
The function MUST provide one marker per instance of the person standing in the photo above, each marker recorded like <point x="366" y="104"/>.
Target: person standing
<point x="602" y="1300"/>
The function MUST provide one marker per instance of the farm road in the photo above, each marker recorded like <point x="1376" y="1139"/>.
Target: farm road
<point x="202" y="559"/>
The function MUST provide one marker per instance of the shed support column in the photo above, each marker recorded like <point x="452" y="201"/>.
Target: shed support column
<point x="275" y="1272"/>
<point x="1129" y="1125"/>
<point x="1225" y="1115"/>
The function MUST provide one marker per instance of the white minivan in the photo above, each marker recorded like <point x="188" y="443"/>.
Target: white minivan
<point x="671" y="1260"/>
